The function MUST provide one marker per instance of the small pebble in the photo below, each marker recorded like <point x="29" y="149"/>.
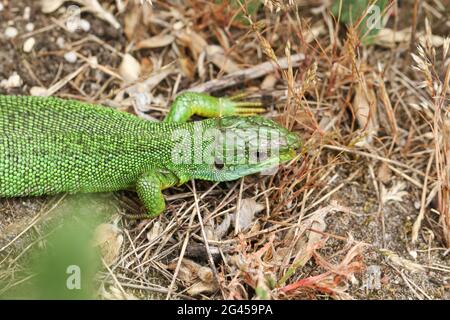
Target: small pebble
<point x="85" y="25"/>
<point x="13" y="81"/>
<point x="60" y="42"/>
<point x="413" y="253"/>
<point x="29" y="27"/>
<point x="38" y="91"/>
<point x="417" y="205"/>
<point x="29" y="44"/>
<point x="11" y="32"/>
<point x="70" y="56"/>
<point x="27" y="13"/>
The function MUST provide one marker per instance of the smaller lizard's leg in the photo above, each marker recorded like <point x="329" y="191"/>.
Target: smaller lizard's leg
<point x="190" y="103"/>
<point x="149" y="189"/>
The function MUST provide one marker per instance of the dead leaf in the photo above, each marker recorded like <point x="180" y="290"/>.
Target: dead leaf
<point x="158" y="41"/>
<point x="269" y="82"/>
<point x="201" y="287"/>
<point x="93" y="6"/>
<point x="140" y="92"/>
<point x="147" y="67"/>
<point x="223" y="227"/>
<point x="193" y="266"/>
<point x="239" y="261"/>
<point x="131" y="22"/>
<point x="130" y="68"/>
<point x="335" y="280"/>
<point x="191" y="271"/>
<point x="188" y="271"/>
<point x="364" y="106"/>
<point x="192" y="40"/>
<point x="314" y="32"/>
<point x="390" y="38"/>
<point x="216" y="55"/>
<point x="184" y="274"/>
<point x="249" y="207"/>
<point x="314" y="238"/>
<point x="384" y="173"/>
<point x="109" y="238"/>
<point x="402" y="262"/>
<point x="155" y="232"/>
<point x="187" y="67"/>
<point x="97" y="9"/>
<point x="205" y="274"/>
<point x="310" y="240"/>
<point x="48" y="6"/>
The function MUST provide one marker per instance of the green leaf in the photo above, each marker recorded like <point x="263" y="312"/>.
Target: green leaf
<point x="262" y="293"/>
<point x="353" y="10"/>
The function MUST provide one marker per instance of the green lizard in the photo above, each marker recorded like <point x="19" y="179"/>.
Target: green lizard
<point x="50" y="145"/>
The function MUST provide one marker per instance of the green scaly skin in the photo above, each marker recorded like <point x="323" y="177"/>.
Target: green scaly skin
<point x="50" y="145"/>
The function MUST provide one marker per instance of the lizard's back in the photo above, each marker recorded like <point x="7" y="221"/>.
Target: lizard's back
<point x="50" y="145"/>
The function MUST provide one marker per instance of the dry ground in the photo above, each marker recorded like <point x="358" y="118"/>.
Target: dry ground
<point x="374" y="162"/>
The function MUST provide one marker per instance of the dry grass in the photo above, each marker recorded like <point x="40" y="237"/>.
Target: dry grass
<point x="370" y="188"/>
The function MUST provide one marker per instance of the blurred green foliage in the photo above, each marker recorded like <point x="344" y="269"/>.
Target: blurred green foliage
<point x="353" y="10"/>
<point x="66" y="269"/>
<point x="64" y="264"/>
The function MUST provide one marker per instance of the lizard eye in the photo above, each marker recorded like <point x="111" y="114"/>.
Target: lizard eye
<point x="218" y="164"/>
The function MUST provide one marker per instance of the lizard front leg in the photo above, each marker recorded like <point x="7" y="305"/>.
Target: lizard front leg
<point x="190" y="103"/>
<point x="149" y="189"/>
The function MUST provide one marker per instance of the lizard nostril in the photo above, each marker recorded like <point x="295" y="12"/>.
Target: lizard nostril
<point x="260" y="156"/>
<point x="218" y="164"/>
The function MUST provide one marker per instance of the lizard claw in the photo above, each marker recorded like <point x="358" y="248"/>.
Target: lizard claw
<point x="249" y="108"/>
<point x="244" y="108"/>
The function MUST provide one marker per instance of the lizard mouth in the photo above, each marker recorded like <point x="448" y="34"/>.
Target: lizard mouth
<point x="289" y="149"/>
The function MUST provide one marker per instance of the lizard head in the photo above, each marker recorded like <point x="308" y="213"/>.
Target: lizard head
<point x="234" y="147"/>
